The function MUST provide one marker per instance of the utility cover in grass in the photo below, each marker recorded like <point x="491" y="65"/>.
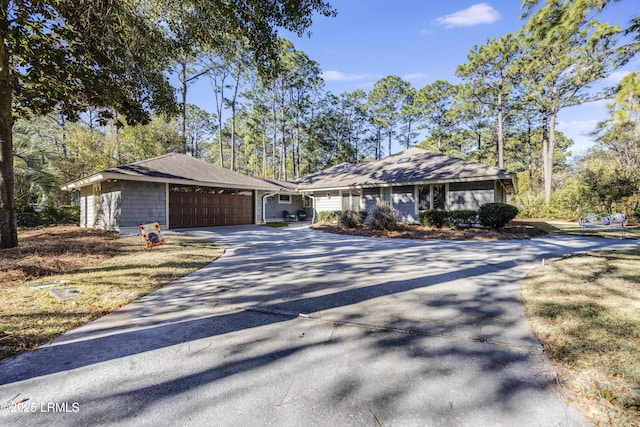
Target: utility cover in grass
<point x="47" y="284"/>
<point x="66" y="294"/>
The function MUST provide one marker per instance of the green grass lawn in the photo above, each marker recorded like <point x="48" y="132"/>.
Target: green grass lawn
<point x="275" y="224"/>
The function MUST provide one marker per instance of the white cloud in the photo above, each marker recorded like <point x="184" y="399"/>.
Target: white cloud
<point x="481" y="13"/>
<point x="577" y="126"/>
<point x="579" y="131"/>
<point x="415" y="76"/>
<point x="339" y="76"/>
<point x="617" y="76"/>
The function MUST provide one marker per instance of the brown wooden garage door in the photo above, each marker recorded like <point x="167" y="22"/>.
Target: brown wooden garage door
<point x="206" y="207"/>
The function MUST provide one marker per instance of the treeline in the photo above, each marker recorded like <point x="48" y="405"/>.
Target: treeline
<point x="281" y="122"/>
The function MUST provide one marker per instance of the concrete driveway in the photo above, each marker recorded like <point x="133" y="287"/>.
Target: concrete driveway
<point x="293" y="327"/>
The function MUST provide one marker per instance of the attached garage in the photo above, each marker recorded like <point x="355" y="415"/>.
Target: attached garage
<point x="174" y="190"/>
<point x="195" y="206"/>
<point x="179" y="191"/>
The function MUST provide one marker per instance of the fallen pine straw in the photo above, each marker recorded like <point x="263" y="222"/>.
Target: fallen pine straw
<point x="46" y="251"/>
<point x="422" y="232"/>
<point x="111" y="270"/>
<point x="585" y="310"/>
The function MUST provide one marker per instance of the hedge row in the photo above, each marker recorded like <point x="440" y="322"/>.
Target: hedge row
<point x="384" y="217"/>
<point x="339" y="217"/>
<point x="493" y="215"/>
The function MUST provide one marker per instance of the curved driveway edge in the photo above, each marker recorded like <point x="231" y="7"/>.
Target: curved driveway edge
<point x="298" y="327"/>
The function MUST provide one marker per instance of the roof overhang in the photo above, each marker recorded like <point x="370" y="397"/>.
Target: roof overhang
<point x="107" y="176"/>
<point x="83" y="182"/>
<point x="508" y="180"/>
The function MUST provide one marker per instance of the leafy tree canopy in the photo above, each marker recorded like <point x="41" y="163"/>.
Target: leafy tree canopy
<point x="76" y="54"/>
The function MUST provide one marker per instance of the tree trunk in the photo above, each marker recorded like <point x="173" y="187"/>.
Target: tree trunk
<point x="183" y="104"/>
<point x="357" y="149"/>
<point x="545" y="158"/>
<point x="274" y="144"/>
<point x="284" y="145"/>
<point x="264" y="153"/>
<point x="500" y="147"/>
<point x="233" y="120"/>
<point x="8" y="228"/>
<point x="548" y="173"/>
<point x="219" y="108"/>
<point x="233" y="135"/>
<point x="296" y="160"/>
<point x="220" y="141"/>
<point x="530" y="155"/>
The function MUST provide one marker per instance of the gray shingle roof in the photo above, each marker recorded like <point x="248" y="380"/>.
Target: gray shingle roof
<point x="176" y="167"/>
<point x="414" y="165"/>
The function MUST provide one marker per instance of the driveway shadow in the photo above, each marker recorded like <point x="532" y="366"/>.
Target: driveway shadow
<point x="298" y="327"/>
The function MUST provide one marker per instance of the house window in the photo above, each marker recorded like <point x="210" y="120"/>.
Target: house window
<point x="386" y="195"/>
<point x="306" y="202"/>
<point x="438" y="197"/>
<point x="284" y="199"/>
<point x="424" y="197"/>
<point x="179" y="189"/>
<point x="351" y="200"/>
<point x="355" y="200"/>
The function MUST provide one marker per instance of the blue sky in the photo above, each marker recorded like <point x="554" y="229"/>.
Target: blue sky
<point x="425" y="40"/>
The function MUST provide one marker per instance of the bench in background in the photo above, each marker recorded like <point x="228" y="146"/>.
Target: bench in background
<point x="615" y="221"/>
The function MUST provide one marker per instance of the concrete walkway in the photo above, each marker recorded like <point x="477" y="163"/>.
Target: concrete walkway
<point x="293" y="327"/>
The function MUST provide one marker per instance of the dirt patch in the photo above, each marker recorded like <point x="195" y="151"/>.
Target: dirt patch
<point x="516" y="231"/>
<point x="47" y="251"/>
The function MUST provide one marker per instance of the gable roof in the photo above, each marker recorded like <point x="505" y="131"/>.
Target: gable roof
<point x="178" y="168"/>
<point x="412" y="166"/>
